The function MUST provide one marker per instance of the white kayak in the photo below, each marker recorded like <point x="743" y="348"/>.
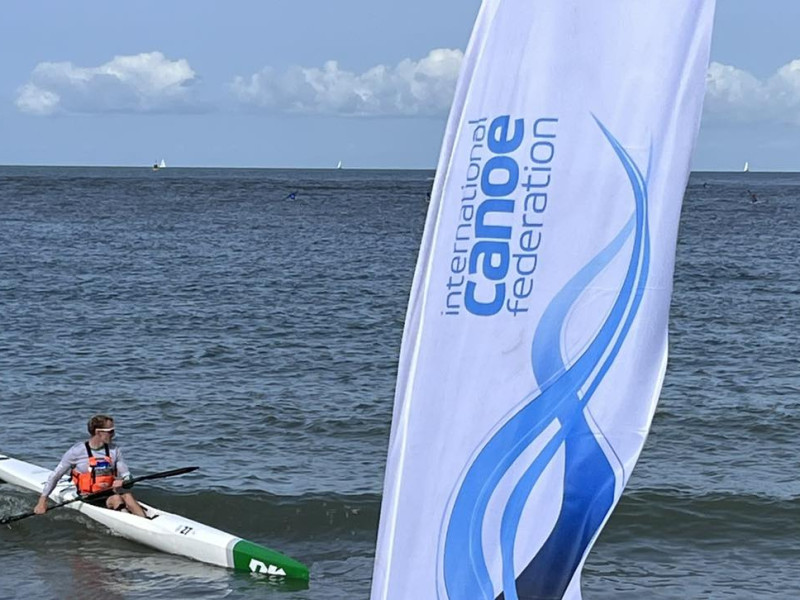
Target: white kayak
<point x="162" y="530"/>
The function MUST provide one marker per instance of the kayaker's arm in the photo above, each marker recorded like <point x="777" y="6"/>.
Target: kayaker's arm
<point x="64" y="466"/>
<point x="123" y="472"/>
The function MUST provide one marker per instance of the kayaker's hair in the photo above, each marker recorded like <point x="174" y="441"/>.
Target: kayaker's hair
<point x="97" y="422"/>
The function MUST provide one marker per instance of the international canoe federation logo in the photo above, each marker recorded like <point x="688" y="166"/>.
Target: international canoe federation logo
<point x="500" y="479"/>
<point x="500" y="216"/>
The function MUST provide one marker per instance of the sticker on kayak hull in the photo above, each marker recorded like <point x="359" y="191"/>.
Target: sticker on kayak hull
<point x="256" y="566"/>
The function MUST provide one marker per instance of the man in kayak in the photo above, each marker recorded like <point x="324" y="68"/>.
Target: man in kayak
<point x="96" y="465"/>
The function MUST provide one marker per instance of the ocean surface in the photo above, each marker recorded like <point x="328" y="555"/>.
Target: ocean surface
<point x="226" y="325"/>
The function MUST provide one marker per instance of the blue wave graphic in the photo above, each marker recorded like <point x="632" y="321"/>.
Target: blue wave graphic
<point x="589" y="478"/>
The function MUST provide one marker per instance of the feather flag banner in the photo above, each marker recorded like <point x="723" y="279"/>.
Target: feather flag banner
<point x="535" y="341"/>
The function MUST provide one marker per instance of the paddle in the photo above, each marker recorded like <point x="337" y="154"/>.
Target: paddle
<point x="104" y="493"/>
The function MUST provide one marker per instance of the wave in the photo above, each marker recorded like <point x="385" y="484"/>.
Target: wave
<point x="248" y="514"/>
<point x="659" y="512"/>
<point x="669" y="514"/>
<point x="674" y="514"/>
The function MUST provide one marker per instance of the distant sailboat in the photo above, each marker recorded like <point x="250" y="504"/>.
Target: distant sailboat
<point x="339" y="166"/>
<point x="746" y="167"/>
<point x="160" y="165"/>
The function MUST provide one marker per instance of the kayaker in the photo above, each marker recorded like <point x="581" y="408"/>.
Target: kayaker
<point x="96" y="465"/>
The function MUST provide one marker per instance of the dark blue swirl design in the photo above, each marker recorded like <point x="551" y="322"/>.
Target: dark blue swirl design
<point x="589" y="478"/>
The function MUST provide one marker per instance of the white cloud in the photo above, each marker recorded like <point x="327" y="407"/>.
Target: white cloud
<point x="147" y="82"/>
<point x="36" y="101"/>
<point x="151" y="83"/>
<point x="426" y="87"/>
<point x="410" y="88"/>
<point x="734" y="94"/>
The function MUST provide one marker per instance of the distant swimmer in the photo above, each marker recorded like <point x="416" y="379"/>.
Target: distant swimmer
<point x="753" y="197"/>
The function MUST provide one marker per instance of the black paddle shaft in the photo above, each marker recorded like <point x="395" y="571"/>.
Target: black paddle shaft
<point x="104" y="493"/>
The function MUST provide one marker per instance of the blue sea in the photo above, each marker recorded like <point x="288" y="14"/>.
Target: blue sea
<point x="225" y="324"/>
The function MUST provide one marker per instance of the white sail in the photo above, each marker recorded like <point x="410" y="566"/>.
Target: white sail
<point x="339" y="166"/>
<point x="746" y="167"/>
<point x="535" y="341"/>
<point x="162" y="164"/>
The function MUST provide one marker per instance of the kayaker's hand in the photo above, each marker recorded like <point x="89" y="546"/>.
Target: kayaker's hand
<point x="117" y="485"/>
<point x="41" y="506"/>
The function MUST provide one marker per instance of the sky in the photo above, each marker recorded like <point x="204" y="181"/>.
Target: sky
<point x="306" y="84"/>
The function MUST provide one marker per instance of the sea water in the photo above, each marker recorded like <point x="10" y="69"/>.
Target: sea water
<point x="225" y="324"/>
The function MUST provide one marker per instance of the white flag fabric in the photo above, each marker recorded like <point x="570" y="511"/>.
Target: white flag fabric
<point x="535" y="341"/>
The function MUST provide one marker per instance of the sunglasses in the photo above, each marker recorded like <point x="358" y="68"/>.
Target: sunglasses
<point x="108" y="430"/>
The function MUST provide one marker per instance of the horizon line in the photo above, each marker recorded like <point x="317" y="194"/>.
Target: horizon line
<point x="283" y="168"/>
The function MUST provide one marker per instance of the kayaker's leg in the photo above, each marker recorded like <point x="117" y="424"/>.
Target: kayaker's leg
<point x="127" y="501"/>
<point x="115" y="502"/>
<point x="132" y="505"/>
